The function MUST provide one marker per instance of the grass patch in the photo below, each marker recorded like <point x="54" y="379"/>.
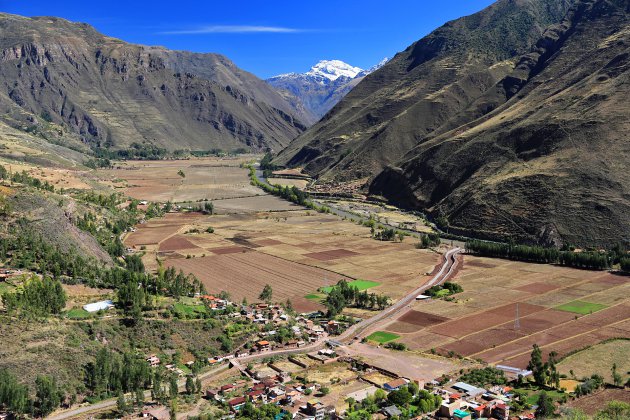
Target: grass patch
<point x="189" y="310"/>
<point x="533" y="393"/>
<point x="581" y="307"/>
<point x="359" y="284"/>
<point x="382" y="337"/>
<point x="78" y="313"/>
<point x="315" y="296"/>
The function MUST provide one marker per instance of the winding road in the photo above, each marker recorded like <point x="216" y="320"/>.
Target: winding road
<point x="355" y="332"/>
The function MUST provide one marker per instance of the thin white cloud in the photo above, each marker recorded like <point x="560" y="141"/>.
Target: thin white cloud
<point x="233" y="29"/>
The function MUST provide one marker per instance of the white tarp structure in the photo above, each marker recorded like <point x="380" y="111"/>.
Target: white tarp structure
<point x="103" y="305"/>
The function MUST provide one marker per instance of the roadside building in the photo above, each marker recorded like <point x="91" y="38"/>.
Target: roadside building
<point x="237" y="403"/>
<point x="102" y="305"/>
<point x="395" y="385"/>
<point x="153" y="360"/>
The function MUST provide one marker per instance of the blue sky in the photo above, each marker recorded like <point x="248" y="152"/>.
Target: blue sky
<point x="264" y="37"/>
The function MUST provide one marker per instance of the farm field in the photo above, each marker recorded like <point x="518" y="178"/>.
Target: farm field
<point x="289" y="182"/>
<point x="295" y="251"/>
<point x="581" y="307"/>
<point x="359" y="284"/>
<point x="599" y="359"/>
<point x="560" y="309"/>
<point x="382" y="337"/>
<point x="209" y="178"/>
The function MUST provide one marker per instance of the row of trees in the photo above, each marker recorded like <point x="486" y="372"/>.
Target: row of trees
<point x="344" y="295"/>
<point x="589" y="260"/>
<point x="293" y="194"/>
<point x="38" y="297"/>
<point x="15" y="397"/>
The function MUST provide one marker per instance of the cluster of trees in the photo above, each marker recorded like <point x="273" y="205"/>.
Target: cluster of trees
<point x="589" y="260"/>
<point x="135" y="289"/>
<point x="450" y="287"/>
<point x="264" y="412"/>
<point x="38" y="297"/>
<point x="545" y="374"/>
<point x="112" y="373"/>
<point x="429" y="240"/>
<point x="23" y="247"/>
<point x="98" y="163"/>
<point x="409" y="399"/>
<point x="137" y="151"/>
<point x="589" y="385"/>
<point x="15" y="397"/>
<point x="344" y="295"/>
<point x="266" y="166"/>
<point x="484" y="376"/>
<point x="625" y="264"/>
<point x="24" y="178"/>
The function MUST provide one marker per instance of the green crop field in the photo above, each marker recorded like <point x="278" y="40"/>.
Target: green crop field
<point x="382" y="337"/>
<point x="78" y="313"/>
<point x="581" y="307"/>
<point x="189" y="310"/>
<point x="359" y="284"/>
<point x="315" y="296"/>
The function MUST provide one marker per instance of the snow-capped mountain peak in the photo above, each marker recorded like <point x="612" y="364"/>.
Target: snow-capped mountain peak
<point x="334" y="69"/>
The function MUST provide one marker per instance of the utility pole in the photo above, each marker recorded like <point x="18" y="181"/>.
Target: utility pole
<point x="517" y="321"/>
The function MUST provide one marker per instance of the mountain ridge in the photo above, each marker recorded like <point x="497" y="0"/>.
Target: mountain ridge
<point x="112" y="93"/>
<point x="322" y="87"/>
<point x="545" y="165"/>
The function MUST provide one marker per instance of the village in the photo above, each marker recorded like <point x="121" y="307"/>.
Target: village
<point x="267" y="371"/>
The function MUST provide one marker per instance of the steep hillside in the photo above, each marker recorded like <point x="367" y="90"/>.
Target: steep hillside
<point x="322" y="87"/>
<point x="394" y="108"/>
<point x="222" y="70"/>
<point x="112" y="93"/>
<point x="550" y="163"/>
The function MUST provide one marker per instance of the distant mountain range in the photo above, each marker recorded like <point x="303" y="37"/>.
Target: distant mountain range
<point x="318" y="90"/>
<point x="108" y="93"/>
<point x="511" y="123"/>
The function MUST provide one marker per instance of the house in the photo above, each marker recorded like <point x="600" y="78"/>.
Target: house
<point x="257" y="396"/>
<point x="213" y="394"/>
<point x="395" y="385"/>
<point x="153" y="360"/>
<point x="103" y="305"/>
<point x="263" y="345"/>
<point x="447" y="409"/>
<point x="237" y="403"/>
<point x="461" y="415"/>
<point x="327" y="353"/>
<point x="276" y="394"/>
<point x="157" y="413"/>
<point x="316" y="409"/>
<point x="500" y="410"/>
<point x="332" y="327"/>
<point x="226" y="388"/>
<point x="470" y="390"/>
<point x="391" y="411"/>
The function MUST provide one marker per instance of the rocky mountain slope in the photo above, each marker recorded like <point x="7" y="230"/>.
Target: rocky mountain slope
<point x="543" y="156"/>
<point x="322" y="87"/>
<point x="419" y="90"/>
<point x="112" y="93"/>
